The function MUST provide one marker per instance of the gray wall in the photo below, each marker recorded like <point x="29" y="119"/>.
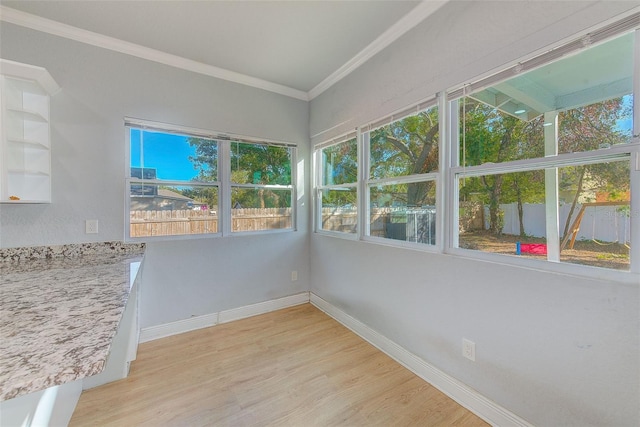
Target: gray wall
<point x="100" y="88"/>
<point x="555" y="349"/>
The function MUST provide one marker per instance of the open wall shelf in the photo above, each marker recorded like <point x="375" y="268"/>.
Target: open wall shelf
<point x="25" y="146"/>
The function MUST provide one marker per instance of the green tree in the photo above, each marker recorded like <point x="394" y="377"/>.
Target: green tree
<point x="260" y="164"/>
<point x="340" y="166"/>
<point x="205" y="161"/>
<point x="588" y="128"/>
<point x="407" y="147"/>
<point x="493" y="136"/>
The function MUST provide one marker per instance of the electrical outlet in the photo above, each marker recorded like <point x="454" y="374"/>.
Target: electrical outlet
<point x="469" y="349"/>
<point x="294" y="275"/>
<point x="91" y="226"/>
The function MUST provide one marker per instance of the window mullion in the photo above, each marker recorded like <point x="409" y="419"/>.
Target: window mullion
<point x="224" y="169"/>
<point x="442" y="183"/>
<point x="177" y="182"/>
<point x="294" y="189"/>
<point x="451" y="197"/>
<point x="266" y="186"/>
<point x="634" y="251"/>
<point x="618" y="152"/>
<point x="552" y="206"/>
<point x="364" y="206"/>
<point x="404" y="179"/>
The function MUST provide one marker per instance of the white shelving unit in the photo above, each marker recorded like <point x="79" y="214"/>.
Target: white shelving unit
<point x="25" y="145"/>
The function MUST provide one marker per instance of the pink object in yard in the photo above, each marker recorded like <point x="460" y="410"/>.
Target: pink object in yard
<point x="531" y="248"/>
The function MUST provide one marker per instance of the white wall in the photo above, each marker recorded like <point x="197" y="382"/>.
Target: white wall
<point x="100" y="88"/>
<point x="556" y="350"/>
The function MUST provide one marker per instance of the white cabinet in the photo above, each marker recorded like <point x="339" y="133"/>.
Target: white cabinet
<point x="25" y="145"/>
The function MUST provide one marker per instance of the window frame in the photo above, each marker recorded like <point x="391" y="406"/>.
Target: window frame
<point x="552" y="162"/>
<point x="223" y="183"/>
<point x="368" y="182"/>
<point x="290" y="187"/>
<point x="319" y="187"/>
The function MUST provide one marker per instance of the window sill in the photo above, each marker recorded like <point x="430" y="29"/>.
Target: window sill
<point x="337" y="234"/>
<point x="147" y="239"/>
<point x="543" y="266"/>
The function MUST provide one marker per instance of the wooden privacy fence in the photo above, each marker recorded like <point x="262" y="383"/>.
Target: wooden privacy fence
<point x="146" y="223"/>
<point x="253" y="219"/>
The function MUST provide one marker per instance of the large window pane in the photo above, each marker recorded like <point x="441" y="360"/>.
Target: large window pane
<point x="181" y="206"/>
<point x="173" y="210"/>
<point x="405" y="147"/>
<point x="489" y="135"/>
<point x="168" y="156"/>
<point x="498" y="211"/>
<point x="595" y="214"/>
<point x="260" y="164"/>
<point x="505" y="213"/>
<point x="585" y="99"/>
<point x="339" y="210"/>
<point x="340" y="163"/>
<point x="404" y="211"/>
<point x="259" y="208"/>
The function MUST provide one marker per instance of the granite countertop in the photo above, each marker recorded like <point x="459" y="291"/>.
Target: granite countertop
<point x="58" y="316"/>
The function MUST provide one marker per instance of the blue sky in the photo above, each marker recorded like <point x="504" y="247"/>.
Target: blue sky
<point x="627" y="123"/>
<point x="167" y="153"/>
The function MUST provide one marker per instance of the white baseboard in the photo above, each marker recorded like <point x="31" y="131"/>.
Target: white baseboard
<point x="178" y="327"/>
<point x="486" y="409"/>
<point x="262" y="307"/>
<point x="198" y="322"/>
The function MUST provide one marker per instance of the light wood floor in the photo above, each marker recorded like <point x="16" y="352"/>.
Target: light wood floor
<point x="292" y="367"/>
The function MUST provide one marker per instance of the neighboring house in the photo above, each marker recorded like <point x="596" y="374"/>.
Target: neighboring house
<point x="164" y="200"/>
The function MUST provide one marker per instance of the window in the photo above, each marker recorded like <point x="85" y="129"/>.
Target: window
<point x="543" y="165"/>
<point x="173" y="184"/>
<point x="539" y="164"/>
<point x="402" y="178"/>
<point x="177" y="184"/>
<point x="337" y="198"/>
<point x="261" y="189"/>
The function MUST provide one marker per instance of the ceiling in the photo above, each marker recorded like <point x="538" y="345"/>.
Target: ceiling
<point x="298" y="48"/>
<point x="602" y="72"/>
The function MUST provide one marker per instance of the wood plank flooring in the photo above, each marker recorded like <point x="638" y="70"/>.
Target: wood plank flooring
<point x="292" y="367"/>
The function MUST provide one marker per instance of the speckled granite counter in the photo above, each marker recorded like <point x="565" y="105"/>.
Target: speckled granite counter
<point x="59" y="313"/>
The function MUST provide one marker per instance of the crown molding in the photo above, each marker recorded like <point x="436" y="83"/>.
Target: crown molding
<point x="406" y="23"/>
<point x="56" y="28"/>
<point x="397" y="30"/>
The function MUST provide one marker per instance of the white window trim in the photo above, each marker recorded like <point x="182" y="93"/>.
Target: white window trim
<point x="619" y="152"/>
<point x="367" y="182"/>
<point x="319" y="187"/>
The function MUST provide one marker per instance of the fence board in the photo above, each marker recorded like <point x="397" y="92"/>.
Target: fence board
<point x="180" y="222"/>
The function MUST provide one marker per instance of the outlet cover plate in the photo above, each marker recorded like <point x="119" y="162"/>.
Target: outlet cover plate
<point x="91" y="226"/>
<point x="469" y="349"/>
